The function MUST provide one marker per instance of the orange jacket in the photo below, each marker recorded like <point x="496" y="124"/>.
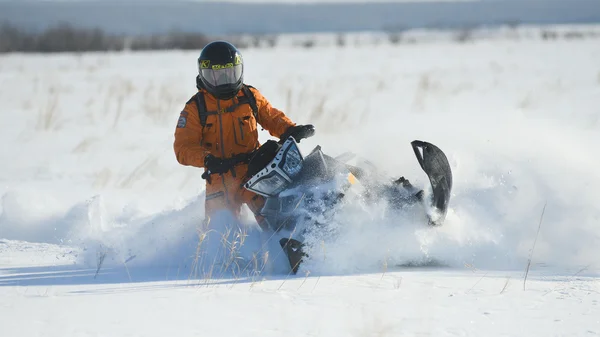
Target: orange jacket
<point x="225" y="134"/>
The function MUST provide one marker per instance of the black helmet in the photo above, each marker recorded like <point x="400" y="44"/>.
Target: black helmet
<point x="221" y="69"/>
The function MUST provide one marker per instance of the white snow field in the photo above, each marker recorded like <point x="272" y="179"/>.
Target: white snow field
<point x="88" y="179"/>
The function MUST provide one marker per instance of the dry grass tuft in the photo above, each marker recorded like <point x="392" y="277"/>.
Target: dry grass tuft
<point x="49" y="115"/>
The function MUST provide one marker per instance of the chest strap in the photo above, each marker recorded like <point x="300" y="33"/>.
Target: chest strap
<point x="248" y="98"/>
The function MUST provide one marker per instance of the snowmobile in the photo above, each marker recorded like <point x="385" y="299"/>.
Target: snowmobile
<point x="302" y="191"/>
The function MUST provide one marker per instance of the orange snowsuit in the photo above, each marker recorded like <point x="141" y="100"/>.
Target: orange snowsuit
<point x="231" y="132"/>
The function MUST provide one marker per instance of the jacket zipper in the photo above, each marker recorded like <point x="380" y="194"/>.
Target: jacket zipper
<point x="220" y="128"/>
<point x="222" y="147"/>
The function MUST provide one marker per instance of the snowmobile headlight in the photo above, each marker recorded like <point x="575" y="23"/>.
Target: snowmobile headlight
<point x="269" y="185"/>
<point x="292" y="162"/>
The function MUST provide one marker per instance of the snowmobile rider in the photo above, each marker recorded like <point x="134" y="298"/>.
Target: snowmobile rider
<point x="218" y="129"/>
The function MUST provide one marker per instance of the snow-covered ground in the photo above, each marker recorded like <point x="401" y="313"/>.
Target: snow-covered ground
<point x="87" y="171"/>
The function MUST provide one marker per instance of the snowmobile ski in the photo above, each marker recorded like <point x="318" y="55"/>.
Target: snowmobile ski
<point x="434" y="163"/>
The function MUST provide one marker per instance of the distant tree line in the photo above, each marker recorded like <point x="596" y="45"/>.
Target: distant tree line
<point x="64" y="37"/>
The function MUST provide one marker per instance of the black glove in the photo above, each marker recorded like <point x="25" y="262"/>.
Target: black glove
<point x="299" y="132"/>
<point x="215" y="165"/>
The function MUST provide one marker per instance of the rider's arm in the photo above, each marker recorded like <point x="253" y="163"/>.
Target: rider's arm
<point x="188" y="137"/>
<point x="269" y="117"/>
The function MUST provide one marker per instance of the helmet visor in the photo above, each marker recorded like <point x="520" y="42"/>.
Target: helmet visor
<point x="222" y="75"/>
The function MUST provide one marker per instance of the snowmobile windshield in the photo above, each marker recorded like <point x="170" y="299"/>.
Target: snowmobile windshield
<point x="222" y="74"/>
